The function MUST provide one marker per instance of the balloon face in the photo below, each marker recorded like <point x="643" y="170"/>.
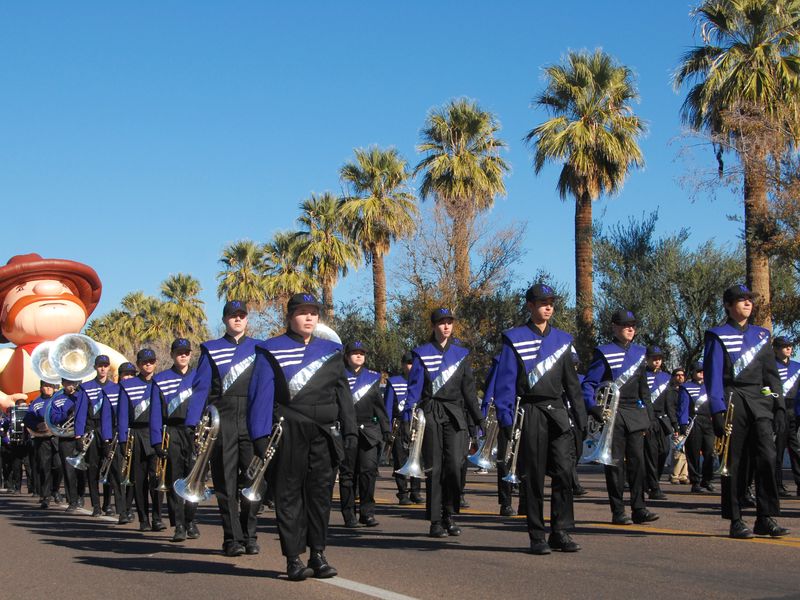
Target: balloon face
<point x="39" y="310"/>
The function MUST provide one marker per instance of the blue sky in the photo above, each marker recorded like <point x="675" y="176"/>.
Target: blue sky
<point x="142" y="139"/>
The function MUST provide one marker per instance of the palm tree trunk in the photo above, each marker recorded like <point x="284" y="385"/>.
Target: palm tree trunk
<point x="461" y="229"/>
<point x="755" y="221"/>
<point x="583" y="276"/>
<point x="379" y="290"/>
<point x="327" y="301"/>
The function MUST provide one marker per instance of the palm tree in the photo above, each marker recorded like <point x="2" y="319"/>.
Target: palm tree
<point x="462" y="170"/>
<point x="143" y="319"/>
<point x="593" y="135"/>
<point x="183" y="309"/>
<point x="109" y="330"/>
<point x="325" y="245"/>
<point x="746" y="71"/>
<point x="285" y="275"/>
<point x="242" y="277"/>
<point x="381" y="210"/>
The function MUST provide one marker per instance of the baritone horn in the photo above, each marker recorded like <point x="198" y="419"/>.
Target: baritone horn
<point x="485" y="455"/>
<point x="258" y="466"/>
<point x="722" y="444"/>
<point x="607" y="397"/>
<point x="193" y="487"/>
<point x="413" y="466"/>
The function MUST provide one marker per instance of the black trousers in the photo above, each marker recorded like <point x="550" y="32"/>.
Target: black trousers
<point x="751" y="442"/>
<point x="576" y="455"/>
<point x="405" y="485"/>
<point x="179" y="463"/>
<point x="304" y="474"/>
<point x="92" y="472"/>
<point x="656" y="450"/>
<point x="115" y="482"/>
<point x="788" y="441"/>
<point x="32" y="469"/>
<point x="16" y="457"/>
<point x="360" y="468"/>
<point x="232" y="454"/>
<point x="443" y="452"/>
<point x="545" y="450"/>
<point x="48" y="461"/>
<point x="627" y="449"/>
<point x="66" y="448"/>
<point x="504" y="489"/>
<point x="700" y="442"/>
<point x="148" y="498"/>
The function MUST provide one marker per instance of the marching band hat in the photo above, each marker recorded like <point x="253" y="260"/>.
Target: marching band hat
<point x="181" y="345"/>
<point x="781" y="341"/>
<point x="441" y="313"/>
<point x="408" y="358"/>
<point x="126" y="368"/>
<point x="102" y="360"/>
<point x="736" y="292"/>
<point x="655" y="351"/>
<point x="697" y="367"/>
<point x="622" y="316"/>
<point x="299" y="300"/>
<point x="145" y="355"/>
<point x="356" y="346"/>
<point x="232" y="307"/>
<point x="540" y="291"/>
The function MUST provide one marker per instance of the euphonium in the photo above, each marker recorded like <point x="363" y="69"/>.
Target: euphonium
<point x="105" y="469"/>
<point x="193" y="487"/>
<point x="161" y="463"/>
<point x="512" y="450"/>
<point x="722" y="444"/>
<point x="607" y="396"/>
<point x="413" y="466"/>
<point x="258" y="466"/>
<point x="488" y="449"/>
<point x="79" y="462"/>
<point x="126" y="465"/>
<point x="65" y="429"/>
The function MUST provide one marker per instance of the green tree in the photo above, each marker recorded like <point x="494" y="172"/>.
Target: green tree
<point x="184" y="312"/>
<point x="381" y="209"/>
<point x="285" y="275"/>
<point x="747" y="72"/>
<point x="242" y="276"/>
<point x="325" y="244"/>
<point x="593" y="134"/>
<point x="462" y="170"/>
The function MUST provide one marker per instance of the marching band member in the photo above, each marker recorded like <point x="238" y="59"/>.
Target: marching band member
<point x="535" y="366"/>
<point x="408" y="488"/>
<point x="109" y="425"/>
<point x="441" y="383"/>
<point x="222" y="379"/>
<point x="693" y="403"/>
<point x="578" y="435"/>
<point x="87" y="418"/>
<point x="504" y="488"/>
<point x="45" y="447"/>
<point x="360" y="465"/>
<point x="173" y="388"/>
<point x="622" y="362"/>
<point x="680" y="472"/>
<point x="740" y="366"/>
<point x="789" y="370"/>
<point x="657" y="440"/>
<point x="301" y="378"/>
<point x="135" y="403"/>
<point x="63" y="408"/>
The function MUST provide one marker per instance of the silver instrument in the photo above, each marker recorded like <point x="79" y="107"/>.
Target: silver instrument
<point x="387" y="450"/>
<point x="512" y="450"/>
<point x="193" y="487"/>
<point x="79" y="462"/>
<point x="40" y="362"/>
<point x="72" y="356"/>
<point x="413" y="466"/>
<point x="679" y="444"/>
<point x="606" y="396"/>
<point x="326" y="333"/>
<point x="258" y="466"/>
<point x="105" y="468"/>
<point x="485" y="456"/>
<point x="65" y="429"/>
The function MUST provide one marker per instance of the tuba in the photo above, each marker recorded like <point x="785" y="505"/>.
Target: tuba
<point x="607" y="396"/>
<point x="193" y="487"/>
<point x="66" y="429"/>
<point x="79" y="461"/>
<point x="258" y="466"/>
<point x="413" y="466"/>
<point x="324" y="332"/>
<point x="485" y="456"/>
<point x="72" y="356"/>
<point x="40" y="359"/>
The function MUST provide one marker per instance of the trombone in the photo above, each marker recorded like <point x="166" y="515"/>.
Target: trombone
<point x="512" y="450"/>
<point x="723" y="444"/>
<point x="105" y="469"/>
<point x="161" y="463"/>
<point x="126" y="465"/>
<point x="258" y="466"/>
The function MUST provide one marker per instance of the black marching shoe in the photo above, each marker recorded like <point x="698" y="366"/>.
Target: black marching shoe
<point x="437" y="531"/>
<point x="180" y="534"/>
<point x="123" y="520"/>
<point x="144" y="525"/>
<point x="696" y="489"/>
<point x="158" y="525"/>
<point x="561" y="540"/>
<point x="540" y="547"/>
<point x="233" y="549"/>
<point x="417" y="499"/>
<point x="644" y="516"/>
<point x="352" y="524"/>
<point x="657" y="494"/>
<point x="768" y="526"/>
<point x="322" y="569"/>
<point x="405" y="501"/>
<point x="783" y="492"/>
<point x="708" y="486"/>
<point x="72" y="508"/>
<point x="740" y="531"/>
<point x="44" y="504"/>
<point x="507" y="511"/>
<point x="749" y="500"/>
<point x="579" y="490"/>
<point x="369" y="521"/>
<point x="621" y="519"/>
<point x="192" y="532"/>
<point x="252" y="548"/>
<point x="296" y="570"/>
<point x="96" y="512"/>
<point x="450" y="525"/>
<point x="463" y="502"/>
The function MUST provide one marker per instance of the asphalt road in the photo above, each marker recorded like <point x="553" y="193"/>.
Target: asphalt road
<point x="685" y="553"/>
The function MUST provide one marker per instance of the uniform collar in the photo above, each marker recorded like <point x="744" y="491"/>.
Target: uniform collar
<point x="233" y="340"/>
<point x="621" y="344"/>
<point x="738" y="327"/>
<point x="297" y="337"/>
<point x="533" y="327"/>
<point x="175" y="370"/>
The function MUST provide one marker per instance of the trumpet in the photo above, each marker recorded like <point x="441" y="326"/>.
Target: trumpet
<point x="79" y="462"/>
<point x="722" y="444"/>
<point x="161" y="463"/>
<point x="413" y="466"/>
<point x="193" y="487"/>
<point x="105" y="469"/>
<point x="607" y="396"/>
<point x="258" y="466"/>
<point x="512" y="450"/>
<point x="488" y="449"/>
<point x="126" y="465"/>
